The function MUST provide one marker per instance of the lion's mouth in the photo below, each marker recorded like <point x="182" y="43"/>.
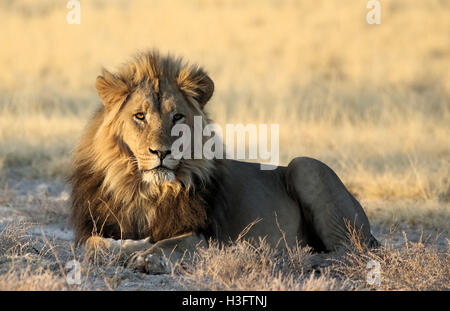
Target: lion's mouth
<point x="158" y="175"/>
<point x="159" y="168"/>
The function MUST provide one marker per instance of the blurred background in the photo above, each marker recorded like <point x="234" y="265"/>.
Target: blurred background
<point x="372" y="101"/>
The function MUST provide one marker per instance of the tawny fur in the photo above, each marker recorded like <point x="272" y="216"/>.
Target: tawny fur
<point x="112" y="197"/>
<point x="109" y="197"/>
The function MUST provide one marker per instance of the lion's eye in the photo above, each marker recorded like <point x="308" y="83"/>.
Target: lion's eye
<point x="177" y="117"/>
<point x="140" y="116"/>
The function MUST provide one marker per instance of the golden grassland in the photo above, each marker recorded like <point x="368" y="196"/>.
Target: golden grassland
<point x="28" y="265"/>
<point x="372" y="101"/>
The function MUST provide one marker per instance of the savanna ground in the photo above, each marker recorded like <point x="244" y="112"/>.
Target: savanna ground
<point x="372" y="101"/>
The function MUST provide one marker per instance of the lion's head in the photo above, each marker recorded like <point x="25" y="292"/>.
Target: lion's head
<point x="125" y="177"/>
<point x="143" y="101"/>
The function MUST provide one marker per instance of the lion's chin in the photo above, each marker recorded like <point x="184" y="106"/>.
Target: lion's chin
<point x="158" y="176"/>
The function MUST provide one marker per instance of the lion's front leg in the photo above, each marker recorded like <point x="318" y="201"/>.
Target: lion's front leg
<point x="158" y="259"/>
<point x="101" y="248"/>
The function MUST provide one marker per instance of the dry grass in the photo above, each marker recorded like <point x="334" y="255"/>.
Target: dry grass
<point x="43" y="210"/>
<point x="418" y="214"/>
<point x="36" y="206"/>
<point x="372" y="101"/>
<point x="413" y="266"/>
<point x="6" y="194"/>
<point x="18" y="268"/>
<point x="248" y="266"/>
<point x="38" y="264"/>
<point x="26" y="280"/>
<point x="245" y="266"/>
<point x="14" y="239"/>
<point x="35" y="262"/>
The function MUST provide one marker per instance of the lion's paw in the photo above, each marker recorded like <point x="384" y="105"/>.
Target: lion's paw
<point x="148" y="263"/>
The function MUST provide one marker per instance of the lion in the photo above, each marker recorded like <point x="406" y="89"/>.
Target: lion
<point x="130" y="192"/>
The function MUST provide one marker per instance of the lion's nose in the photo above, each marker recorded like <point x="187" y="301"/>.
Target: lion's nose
<point x="160" y="153"/>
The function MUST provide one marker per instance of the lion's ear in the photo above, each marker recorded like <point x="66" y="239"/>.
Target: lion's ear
<point x="197" y="84"/>
<point x="205" y="89"/>
<point x="111" y="89"/>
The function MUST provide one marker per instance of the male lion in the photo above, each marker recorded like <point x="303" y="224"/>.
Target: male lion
<point x="130" y="192"/>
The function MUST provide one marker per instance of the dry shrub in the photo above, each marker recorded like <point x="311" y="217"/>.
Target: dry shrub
<point x="14" y="239"/>
<point x="412" y="266"/>
<point x="31" y="280"/>
<point x="22" y="267"/>
<point x="245" y="265"/>
<point x="99" y="252"/>
<point x="30" y="262"/>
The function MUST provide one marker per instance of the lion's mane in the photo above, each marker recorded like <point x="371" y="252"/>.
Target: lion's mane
<point x="108" y="197"/>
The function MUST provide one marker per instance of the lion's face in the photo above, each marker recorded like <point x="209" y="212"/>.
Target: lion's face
<point x="143" y="102"/>
<point x="148" y="120"/>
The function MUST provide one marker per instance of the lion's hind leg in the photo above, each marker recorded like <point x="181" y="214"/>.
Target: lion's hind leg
<point x="329" y="211"/>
